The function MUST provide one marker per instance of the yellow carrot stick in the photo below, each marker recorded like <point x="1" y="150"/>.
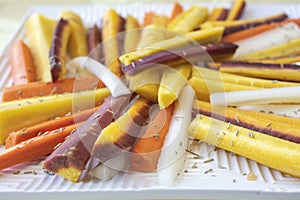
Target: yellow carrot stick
<point x="112" y="25"/>
<point x="171" y="84"/>
<point x="268" y="150"/>
<point x="152" y="34"/>
<point x="203" y="88"/>
<point x="161" y="20"/>
<point x="236" y="10"/>
<point x="78" y="42"/>
<point x="205" y="73"/>
<point x="27" y="112"/>
<point x="188" y="20"/>
<point x="282" y="60"/>
<point x="283" y="72"/>
<point x="218" y="13"/>
<point x="278" y="126"/>
<point x="212" y="35"/>
<point x="132" y="35"/>
<point x="39" y="31"/>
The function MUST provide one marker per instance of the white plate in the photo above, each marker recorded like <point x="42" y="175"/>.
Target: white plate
<point x="225" y="181"/>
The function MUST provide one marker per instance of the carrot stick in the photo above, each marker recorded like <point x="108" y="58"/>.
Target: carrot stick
<point x="236" y="10"/>
<point x="160" y="20"/>
<point x="21" y="62"/>
<point x="177" y="9"/>
<point x="218" y="13"/>
<point x="148" y="18"/>
<point x="236" y="36"/>
<point x="36" y="89"/>
<point x="94" y="38"/>
<point x="147" y="150"/>
<point x="32" y="131"/>
<point x="34" y="148"/>
<point x="282" y="60"/>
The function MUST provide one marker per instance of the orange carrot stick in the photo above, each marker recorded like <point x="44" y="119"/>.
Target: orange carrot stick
<point x="148" y="18"/>
<point x="147" y="149"/>
<point x="30" y="132"/>
<point x="236" y="36"/>
<point x="34" y="148"/>
<point x="21" y="62"/>
<point x="177" y="9"/>
<point x="42" y="89"/>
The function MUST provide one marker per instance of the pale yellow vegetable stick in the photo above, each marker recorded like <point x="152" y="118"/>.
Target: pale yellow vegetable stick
<point x="132" y="35"/>
<point x="160" y="20"/>
<point x="77" y="46"/>
<point x="152" y="34"/>
<point x="204" y="87"/>
<point x="282" y="60"/>
<point x="39" y="31"/>
<point x="112" y="25"/>
<point x="268" y="71"/>
<point x="205" y="73"/>
<point x="171" y="84"/>
<point x="273" y="152"/>
<point x="206" y="36"/>
<point x="146" y="83"/>
<point x="189" y="20"/>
